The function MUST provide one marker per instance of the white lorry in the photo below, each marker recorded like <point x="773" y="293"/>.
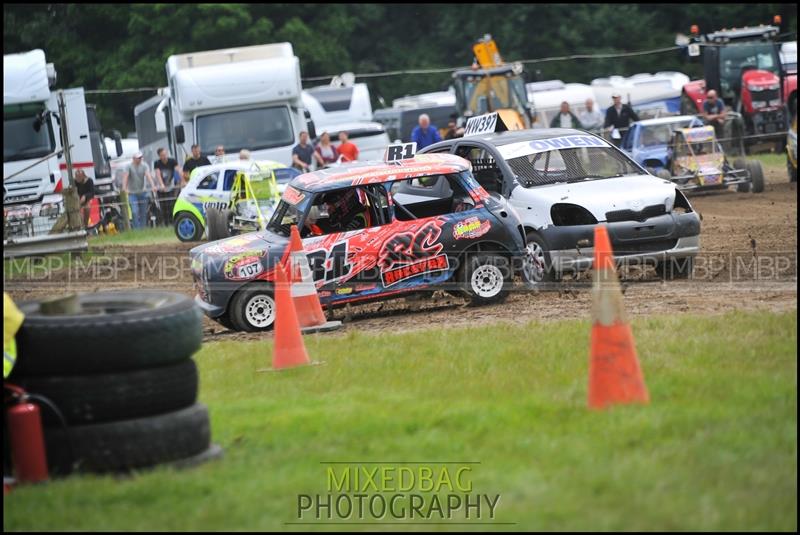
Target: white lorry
<point x="34" y="164"/>
<point x="241" y="98"/>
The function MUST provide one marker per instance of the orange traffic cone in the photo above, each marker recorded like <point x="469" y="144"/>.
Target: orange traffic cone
<point x="289" y="349"/>
<point x="304" y="291"/>
<point x="614" y="372"/>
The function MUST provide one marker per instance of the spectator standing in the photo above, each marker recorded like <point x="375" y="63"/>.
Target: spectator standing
<point x="714" y="112"/>
<point x="591" y="118"/>
<point x="195" y="161"/>
<point x="85" y="187"/>
<point x="326" y="150"/>
<point x="303" y="153"/>
<point x="347" y="149"/>
<point x="134" y="182"/>
<point x="425" y="133"/>
<point x="219" y="154"/>
<point x="168" y="174"/>
<point x="244" y="155"/>
<point x="453" y="131"/>
<point x="565" y="118"/>
<point x="619" y="116"/>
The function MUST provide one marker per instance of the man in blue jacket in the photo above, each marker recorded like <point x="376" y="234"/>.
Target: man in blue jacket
<point x="425" y="134"/>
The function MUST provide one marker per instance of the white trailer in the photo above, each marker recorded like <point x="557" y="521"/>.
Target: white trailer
<point x="548" y="95"/>
<point x="338" y="104"/>
<point x="241" y="98"/>
<point x="651" y="95"/>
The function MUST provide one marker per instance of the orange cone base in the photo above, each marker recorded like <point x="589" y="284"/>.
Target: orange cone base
<point x="614" y="373"/>
<point x="322" y="328"/>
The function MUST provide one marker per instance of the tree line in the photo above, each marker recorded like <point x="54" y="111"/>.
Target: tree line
<point x="116" y="46"/>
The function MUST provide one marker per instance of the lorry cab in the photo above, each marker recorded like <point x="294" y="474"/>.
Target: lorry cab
<point x="262" y="112"/>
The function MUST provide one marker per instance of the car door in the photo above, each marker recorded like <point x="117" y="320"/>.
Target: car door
<point x="344" y="263"/>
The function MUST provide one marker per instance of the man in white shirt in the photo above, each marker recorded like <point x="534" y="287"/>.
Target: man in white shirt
<point x="591" y="118"/>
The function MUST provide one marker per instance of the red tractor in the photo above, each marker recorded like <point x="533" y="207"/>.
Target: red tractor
<point x="744" y="66"/>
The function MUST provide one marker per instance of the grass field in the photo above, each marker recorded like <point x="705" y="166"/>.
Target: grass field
<point x="715" y="450"/>
<point x="148" y="236"/>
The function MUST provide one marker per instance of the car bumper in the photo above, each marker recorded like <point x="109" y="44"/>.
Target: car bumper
<point x="667" y="236"/>
<point x="212" y="311"/>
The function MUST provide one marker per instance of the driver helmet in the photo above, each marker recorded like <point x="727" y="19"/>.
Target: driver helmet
<point x="342" y="205"/>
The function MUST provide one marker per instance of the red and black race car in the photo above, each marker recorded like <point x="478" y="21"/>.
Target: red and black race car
<point x="371" y="230"/>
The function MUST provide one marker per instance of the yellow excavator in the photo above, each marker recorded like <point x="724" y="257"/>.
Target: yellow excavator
<point x="492" y="85"/>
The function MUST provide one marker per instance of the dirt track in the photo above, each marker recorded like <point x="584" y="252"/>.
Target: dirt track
<point x="727" y="275"/>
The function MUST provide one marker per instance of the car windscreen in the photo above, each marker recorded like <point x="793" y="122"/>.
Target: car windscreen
<point x="655" y="135"/>
<point x="253" y="129"/>
<point x="289" y="211"/>
<point x="568" y="165"/>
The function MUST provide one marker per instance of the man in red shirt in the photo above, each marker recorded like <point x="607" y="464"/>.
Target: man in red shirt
<point x="348" y="150"/>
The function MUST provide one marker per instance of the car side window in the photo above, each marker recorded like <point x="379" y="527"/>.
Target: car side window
<point x="429" y="196"/>
<point x="347" y="209"/>
<point x="484" y="166"/>
<point x="209" y="182"/>
<point x="230" y="177"/>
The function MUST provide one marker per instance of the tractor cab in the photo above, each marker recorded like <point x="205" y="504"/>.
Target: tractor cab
<point x="743" y="65"/>
<point x="491" y="85"/>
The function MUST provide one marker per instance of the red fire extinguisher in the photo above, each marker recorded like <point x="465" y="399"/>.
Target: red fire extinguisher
<point x="27" y="438"/>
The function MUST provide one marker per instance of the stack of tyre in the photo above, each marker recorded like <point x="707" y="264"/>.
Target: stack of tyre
<point x="116" y="382"/>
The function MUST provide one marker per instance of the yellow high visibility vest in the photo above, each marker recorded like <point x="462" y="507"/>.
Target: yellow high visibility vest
<point x="12" y="319"/>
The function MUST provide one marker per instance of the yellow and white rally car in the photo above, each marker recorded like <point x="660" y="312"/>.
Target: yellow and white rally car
<point x="210" y="186"/>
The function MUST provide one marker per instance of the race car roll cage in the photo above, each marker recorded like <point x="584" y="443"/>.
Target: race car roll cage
<point x="730" y="175"/>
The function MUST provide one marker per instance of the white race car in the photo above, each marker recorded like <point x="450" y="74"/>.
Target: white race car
<point x="210" y="186"/>
<point x="564" y="182"/>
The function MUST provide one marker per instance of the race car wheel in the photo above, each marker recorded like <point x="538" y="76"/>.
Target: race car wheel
<point x="675" y="268"/>
<point x="253" y="308"/>
<point x="188" y="227"/>
<point x="756" y="175"/>
<point x="486" y="279"/>
<point x="112" y="331"/>
<point x="218" y="223"/>
<point x="225" y="321"/>
<point x="537" y="268"/>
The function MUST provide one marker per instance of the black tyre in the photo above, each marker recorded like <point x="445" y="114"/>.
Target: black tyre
<point x="675" y="268"/>
<point x="128" y="444"/>
<point x="756" y="175"/>
<point x="86" y="399"/>
<point x="115" y="331"/>
<point x="218" y="223"/>
<point x="225" y="321"/>
<point x="538" y="266"/>
<point x="486" y="278"/>
<point x="791" y="169"/>
<point x="253" y="308"/>
<point x="188" y="227"/>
